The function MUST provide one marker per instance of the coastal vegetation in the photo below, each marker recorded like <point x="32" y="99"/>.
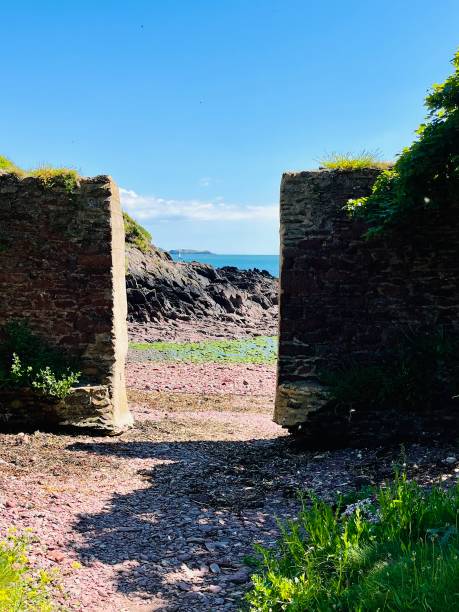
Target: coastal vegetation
<point x="136" y="234"/>
<point x="26" y="361"/>
<point x="22" y="587"/>
<point x="354" y="161"/>
<point x="425" y="175"/>
<point x="6" y="165"/>
<point x="394" y="548"/>
<point x="68" y="178"/>
<point x="48" y="175"/>
<point x="56" y="177"/>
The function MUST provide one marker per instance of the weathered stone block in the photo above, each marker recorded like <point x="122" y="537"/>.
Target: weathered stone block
<point x="62" y="271"/>
<point x="344" y="298"/>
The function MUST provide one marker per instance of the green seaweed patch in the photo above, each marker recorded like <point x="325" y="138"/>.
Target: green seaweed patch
<point x="262" y="349"/>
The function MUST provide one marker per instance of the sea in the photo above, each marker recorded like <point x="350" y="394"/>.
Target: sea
<point x="243" y="262"/>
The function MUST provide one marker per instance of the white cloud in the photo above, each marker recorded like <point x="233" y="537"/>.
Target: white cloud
<point x="151" y="207"/>
<point x="205" y="181"/>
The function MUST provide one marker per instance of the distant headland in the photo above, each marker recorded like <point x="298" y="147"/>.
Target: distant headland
<point x="189" y="252"/>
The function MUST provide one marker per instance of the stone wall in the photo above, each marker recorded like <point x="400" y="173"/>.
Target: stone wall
<point x="62" y="268"/>
<point x="345" y="298"/>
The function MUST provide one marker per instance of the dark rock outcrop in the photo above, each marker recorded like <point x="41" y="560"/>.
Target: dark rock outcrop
<point x="160" y="290"/>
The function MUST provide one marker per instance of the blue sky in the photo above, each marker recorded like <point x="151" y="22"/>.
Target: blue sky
<point x="196" y="107"/>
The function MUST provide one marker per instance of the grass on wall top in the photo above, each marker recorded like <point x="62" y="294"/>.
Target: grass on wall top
<point x="48" y="175"/>
<point x="6" y="165"/>
<point x="69" y="178"/>
<point x="354" y="161"/>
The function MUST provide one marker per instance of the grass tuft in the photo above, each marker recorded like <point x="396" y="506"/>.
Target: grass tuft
<point x="56" y="177"/>
<point x="49" y="176"/>
<point x="395" y="550"/>
<point x="351" y="161"/>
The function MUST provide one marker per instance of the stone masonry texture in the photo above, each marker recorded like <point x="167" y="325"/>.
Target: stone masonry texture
<point x="344" y="298"/>
<point x="62" y="271"/>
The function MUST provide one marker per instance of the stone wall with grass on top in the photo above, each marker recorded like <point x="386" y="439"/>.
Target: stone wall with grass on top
<point x="344" y="298"/>
<point x="62" y="272"/>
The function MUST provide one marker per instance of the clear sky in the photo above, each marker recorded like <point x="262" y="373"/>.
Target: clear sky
<point x="196" y="107"/>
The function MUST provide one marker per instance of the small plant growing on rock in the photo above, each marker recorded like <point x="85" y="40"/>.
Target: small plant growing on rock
<point x="25" y="361"/>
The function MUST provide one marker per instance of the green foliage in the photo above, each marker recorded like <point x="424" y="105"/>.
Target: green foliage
<point x="136" y="234"/>
<point x="351" y="161"/>
<point x="418" y="372"/>
<point x="26" y="361"/>
<point x="57" y="177"/>
<point x="397" y="550"/>
<point x="426" y="174"/>
<point x="6" y="165"/>
<point x="22" y="588"/>
<point x="48" y="175"/>
<point x="254" y="350"/>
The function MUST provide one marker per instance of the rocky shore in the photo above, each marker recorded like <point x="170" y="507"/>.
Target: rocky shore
<point x="178" y="301"/>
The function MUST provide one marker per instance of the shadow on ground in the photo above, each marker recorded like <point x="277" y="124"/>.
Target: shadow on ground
<point x="186" y="533"/>
<point x="204" y="503"/>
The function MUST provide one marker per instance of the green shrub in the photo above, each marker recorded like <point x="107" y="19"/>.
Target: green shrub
<point x="136" y="234"/>
<point x="397" y="550"/>
<point x="417" y="373"/>
<point x="426" y="174"/>
<point x="22" y="588"/>
<point x="26" y="361"/>
<point x="350" y="161"/>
